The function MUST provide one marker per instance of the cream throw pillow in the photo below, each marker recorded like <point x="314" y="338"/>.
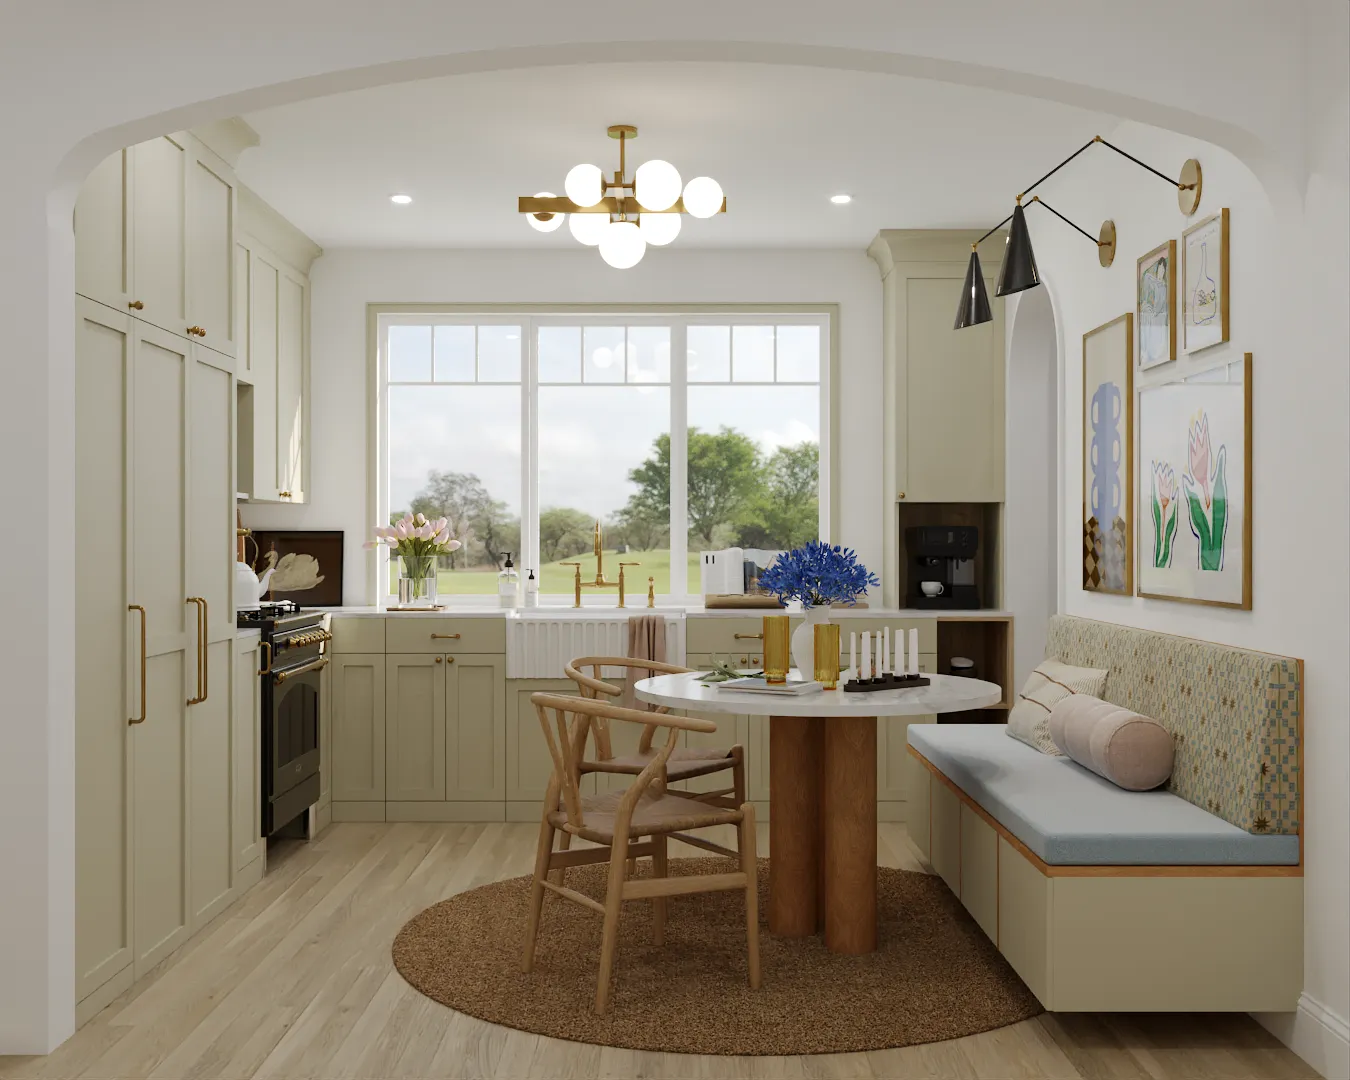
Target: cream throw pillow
<point x="1050" y="682"/>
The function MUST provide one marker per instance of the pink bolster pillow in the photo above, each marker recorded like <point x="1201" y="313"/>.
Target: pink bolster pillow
<point x="1134" y="752"/>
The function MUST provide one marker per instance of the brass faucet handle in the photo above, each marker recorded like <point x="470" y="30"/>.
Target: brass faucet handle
<point x="630" y="564"/>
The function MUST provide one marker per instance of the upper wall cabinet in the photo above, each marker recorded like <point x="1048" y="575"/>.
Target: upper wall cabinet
<point x="154" y="236"/>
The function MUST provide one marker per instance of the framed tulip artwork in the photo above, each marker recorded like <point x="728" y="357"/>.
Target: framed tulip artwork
<point x="1195" y="488"/>
<point x="1108" y="457"/>
<point x="1204" y="283"/>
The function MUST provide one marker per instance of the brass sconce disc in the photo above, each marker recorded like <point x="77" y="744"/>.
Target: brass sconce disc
<point x="622" y="131"/>
<point x="1106" y="243"/>
<point x="1188" y="193"/>
<point x="543" y="216"/>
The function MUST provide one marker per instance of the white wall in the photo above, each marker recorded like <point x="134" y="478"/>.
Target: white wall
<point x="344" y="282"/>
<point x="1288" y="286"/>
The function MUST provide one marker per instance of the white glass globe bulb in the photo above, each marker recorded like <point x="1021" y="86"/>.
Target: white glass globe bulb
<point x="588" y="228"/>
<point x="659" y="229"/>
<point x="622" y="245"/>
<point x="657" y="185"/>
<point x="584" y="185"/>
<point x="552" y="223"/>
<point x="703" y="196"/>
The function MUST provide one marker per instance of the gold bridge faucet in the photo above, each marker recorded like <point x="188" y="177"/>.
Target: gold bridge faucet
<point x="600" y="582"/>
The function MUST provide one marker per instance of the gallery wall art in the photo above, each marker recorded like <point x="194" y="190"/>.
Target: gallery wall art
<point x="1108" y="457"/>
<point x="307" y="565"/>
<point x="1195" y="488"/>
<point x="1204" y="283"/>
<point x="1156" y="305"/>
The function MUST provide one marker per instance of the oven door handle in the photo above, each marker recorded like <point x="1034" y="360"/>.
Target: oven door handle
<point x="266" y="668"/>
<point x="313" y="665"/>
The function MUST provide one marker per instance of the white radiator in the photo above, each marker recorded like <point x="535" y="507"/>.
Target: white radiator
<point x="539" y="648"/>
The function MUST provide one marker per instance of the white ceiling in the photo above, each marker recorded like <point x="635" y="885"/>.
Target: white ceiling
<point x="780" y="140"/>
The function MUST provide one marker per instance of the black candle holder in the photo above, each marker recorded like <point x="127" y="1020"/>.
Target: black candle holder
<point x="884" y="682"/>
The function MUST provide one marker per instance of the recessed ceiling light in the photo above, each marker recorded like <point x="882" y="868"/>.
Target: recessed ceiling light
<point x="840" y="200"/>
<point x="400" y="200"/>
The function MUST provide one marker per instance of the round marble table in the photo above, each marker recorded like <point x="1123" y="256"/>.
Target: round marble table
<point x="823" y="792"/>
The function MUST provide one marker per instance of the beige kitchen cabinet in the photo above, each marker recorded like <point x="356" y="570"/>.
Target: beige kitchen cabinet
<point x="155" y="800"/>
<point x="528" y="762"/>
<point x="358" y="727"/>
<point x="159" y="232"/>
<point x="103" y="233"/>
<point x="210" y="249"/>
<point x="414" y="730"/>
<point x="249" y="843"/>
<point x="475" y="728"/>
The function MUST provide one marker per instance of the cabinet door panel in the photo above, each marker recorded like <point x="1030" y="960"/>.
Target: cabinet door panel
<point x="211" y="523"/>
<point x="529" y="764"/>
<point x="475" y="727"/>
<point x="247" y="752"/>
<point x="893" y="746"/>
<point x="102" y="254"/>
<point x="243" y="277"/>
<point x="159" y="475"/>
<point x="210" y="249"/>
<point x="290" y="387"/>
<point x="103" y="692"/>
<point x="357" y="712"/>
<point x="210" y="846"/>
<point x="414" y="728"/>
<point x="158" y="277"/>
<point x="159" y="814"/>
<point x="263" y="316"/>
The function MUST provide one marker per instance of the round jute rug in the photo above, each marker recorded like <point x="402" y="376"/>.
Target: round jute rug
<point x="935" y="975"/>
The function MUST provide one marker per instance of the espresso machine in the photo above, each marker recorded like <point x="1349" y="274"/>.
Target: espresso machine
<point x="942" y="566"/>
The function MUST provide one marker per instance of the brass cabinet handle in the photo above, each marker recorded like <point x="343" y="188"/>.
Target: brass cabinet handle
<point x="283" y="494"/>
<point x="136" y="305"/>
<point x="140" y="719"/>
<point x="206" y="651"/>
<point x="448" y="637"/>
<point x="201" y="649"/>
<point x="197" y="331"/>
<point x="266" y="669"/>
<point x="438" y="659"/>
<point x="314" y="665"/>
<point x="748" y="637"/>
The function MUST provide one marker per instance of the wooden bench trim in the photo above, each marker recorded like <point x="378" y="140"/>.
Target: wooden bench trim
<point x="1048" y="870"/>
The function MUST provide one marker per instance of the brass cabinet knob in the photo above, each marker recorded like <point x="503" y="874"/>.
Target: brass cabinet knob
<point x="136" y="305"/>
<point x="197" y="331"/>
<point x="449" y="659"/>
<point x="283" y="494"/>
<point x="902" y="494"/>
<point x="438" y="659"/>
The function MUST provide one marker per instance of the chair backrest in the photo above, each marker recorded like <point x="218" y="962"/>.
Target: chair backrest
<point x="565" y="722"/>
<point x="593" y="685"/>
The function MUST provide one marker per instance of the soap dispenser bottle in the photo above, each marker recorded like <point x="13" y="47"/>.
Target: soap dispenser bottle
<point x="531" y="590"/>
<point x="508" y="585"/>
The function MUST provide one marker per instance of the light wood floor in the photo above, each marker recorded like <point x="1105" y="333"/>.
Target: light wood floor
<point x="295" y="980"/>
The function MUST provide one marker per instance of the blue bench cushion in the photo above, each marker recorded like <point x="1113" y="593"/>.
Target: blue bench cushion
<point x="1069" y="816"/>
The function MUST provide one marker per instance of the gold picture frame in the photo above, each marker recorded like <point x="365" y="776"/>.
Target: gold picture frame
<point x="1108" y="457"/>
<point x="1149" y="560"/>
<point x="1205" y="301"/>
<point x="1155" y="306"/>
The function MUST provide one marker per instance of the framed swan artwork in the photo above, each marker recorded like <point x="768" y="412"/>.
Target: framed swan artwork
<point x="308" y="565"/>
<point x="1204" y="283"/>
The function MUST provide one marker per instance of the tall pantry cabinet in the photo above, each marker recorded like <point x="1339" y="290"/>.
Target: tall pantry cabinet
<point x="154" y="432"/>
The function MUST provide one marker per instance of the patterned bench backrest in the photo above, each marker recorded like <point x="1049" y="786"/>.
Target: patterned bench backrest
<point x="1234" y="714"/>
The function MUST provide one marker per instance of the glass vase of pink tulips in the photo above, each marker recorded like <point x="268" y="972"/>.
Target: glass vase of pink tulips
<point x="418" y="543"/>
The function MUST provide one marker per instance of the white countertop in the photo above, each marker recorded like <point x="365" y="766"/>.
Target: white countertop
<point x="945" y="693"/>
<point x="552" y="611"/>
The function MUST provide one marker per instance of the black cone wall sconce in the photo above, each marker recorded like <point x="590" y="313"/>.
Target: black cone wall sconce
<point x="1018" y="271"/>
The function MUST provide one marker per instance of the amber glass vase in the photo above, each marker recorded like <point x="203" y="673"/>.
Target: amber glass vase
<point x="827" y="655"/>
<point x="776" y="657"/>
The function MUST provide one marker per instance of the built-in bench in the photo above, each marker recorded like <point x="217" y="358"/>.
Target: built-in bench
<point x="1186" y="898"/>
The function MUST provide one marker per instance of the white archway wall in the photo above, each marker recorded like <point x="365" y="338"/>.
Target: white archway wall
<point x="1288" y="283"/>
<point x="1030" y="511"/>
<point x="82" y="83"/>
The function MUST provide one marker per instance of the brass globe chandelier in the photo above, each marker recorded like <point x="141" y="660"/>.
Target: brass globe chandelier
<point x="622" y="216"/>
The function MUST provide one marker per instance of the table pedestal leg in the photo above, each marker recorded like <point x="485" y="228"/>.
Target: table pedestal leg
<point x="794" y="824"/>
<point x="850" y="833"/>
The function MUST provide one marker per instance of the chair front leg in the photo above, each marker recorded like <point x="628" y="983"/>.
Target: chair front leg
<point x="541" y="860"/>
<point x="750" y="866"/>
<point x="659" y="869"/>
<point x="609" y="940"/>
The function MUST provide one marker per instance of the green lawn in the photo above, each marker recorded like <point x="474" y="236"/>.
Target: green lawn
<point x="557" y="579"/>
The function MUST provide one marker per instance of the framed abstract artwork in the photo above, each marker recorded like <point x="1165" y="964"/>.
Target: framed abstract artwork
<point x="1195" y="488"/>
<point x="1108" y="457"/>
<point x="1204" y="283"/>
<point x="1155" y="305"/>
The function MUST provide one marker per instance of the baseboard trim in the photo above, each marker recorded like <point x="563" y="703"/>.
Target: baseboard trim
<point x="1315" y="1033"/>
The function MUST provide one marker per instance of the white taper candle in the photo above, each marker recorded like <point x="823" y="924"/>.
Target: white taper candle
<point x="867" y="654"/>
<point x="885" y="649"/>
<point x="853" y="653"/>
<point x="914" y="652"/>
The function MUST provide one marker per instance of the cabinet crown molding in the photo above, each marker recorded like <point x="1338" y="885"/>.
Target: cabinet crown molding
<point x="229" y="138"/>
<point x="893" y="246"/>
<point x="259" y="220"/>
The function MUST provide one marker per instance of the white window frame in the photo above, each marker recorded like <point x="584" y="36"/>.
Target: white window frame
<point x="682" y="591"/>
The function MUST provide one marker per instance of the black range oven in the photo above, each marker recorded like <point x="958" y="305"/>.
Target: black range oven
<point x="293" y="655"/>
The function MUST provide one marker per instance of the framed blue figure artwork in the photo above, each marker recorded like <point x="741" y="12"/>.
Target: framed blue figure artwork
<point x="1108" y="457"/>
<point x="1155" y="306"/>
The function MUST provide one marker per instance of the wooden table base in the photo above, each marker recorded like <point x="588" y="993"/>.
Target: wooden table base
<point x="823" y="830"/>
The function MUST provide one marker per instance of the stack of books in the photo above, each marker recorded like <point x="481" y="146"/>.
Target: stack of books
<point x="757" y="684"/>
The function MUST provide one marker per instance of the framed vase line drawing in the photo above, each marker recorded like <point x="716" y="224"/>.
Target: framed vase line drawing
<point x="1204" y="283"/>
<point x="1195" y="488"/>
<point x="1155" y="306"/>
<point x="1108" y="457"/>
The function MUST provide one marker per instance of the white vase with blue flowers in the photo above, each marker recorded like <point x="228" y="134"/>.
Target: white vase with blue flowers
<point x="819" y="575"/>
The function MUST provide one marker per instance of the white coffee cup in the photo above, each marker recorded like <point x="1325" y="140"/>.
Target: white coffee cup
<point x="931" y="588"/>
